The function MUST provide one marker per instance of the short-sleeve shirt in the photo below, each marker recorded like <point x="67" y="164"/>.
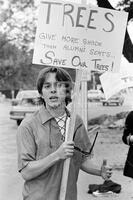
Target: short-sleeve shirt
<point x="38" y="137"/>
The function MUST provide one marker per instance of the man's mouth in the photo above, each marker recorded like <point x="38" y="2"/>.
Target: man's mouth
<point x="54" y="98"/>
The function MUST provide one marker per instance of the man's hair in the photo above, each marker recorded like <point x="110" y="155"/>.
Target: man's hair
<point x="61" y="75"/>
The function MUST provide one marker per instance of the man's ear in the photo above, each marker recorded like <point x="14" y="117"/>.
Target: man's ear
<point x="41" y="95"/>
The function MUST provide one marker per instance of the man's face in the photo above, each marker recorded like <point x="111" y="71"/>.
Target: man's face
<point x="53" y="92"/>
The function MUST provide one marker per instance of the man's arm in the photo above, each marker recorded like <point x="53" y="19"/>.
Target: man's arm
<point x="36" y="168"/>
<point x="89" y="167"/>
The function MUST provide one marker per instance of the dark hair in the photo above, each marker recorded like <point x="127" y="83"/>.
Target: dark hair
<point x="61" y="75"/>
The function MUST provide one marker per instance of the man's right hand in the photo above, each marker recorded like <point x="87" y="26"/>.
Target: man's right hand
<point x="66" y="150"/>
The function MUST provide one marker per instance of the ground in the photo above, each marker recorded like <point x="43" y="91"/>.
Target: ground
<point x="109" y="145"/>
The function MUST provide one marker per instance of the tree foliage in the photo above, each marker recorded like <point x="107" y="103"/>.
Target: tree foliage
<point x="16" y="70"/>
<point x="18" y="22"/>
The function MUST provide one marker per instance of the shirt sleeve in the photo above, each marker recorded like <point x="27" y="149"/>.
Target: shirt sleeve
<point x="26" y="147"/>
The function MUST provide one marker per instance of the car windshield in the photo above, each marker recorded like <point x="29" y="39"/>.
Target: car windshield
<point x="29" y="101"/>
<point x="115" y="96"/>
<point x="27" y="94"/>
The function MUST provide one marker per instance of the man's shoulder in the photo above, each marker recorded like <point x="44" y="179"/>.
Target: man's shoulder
<point x="31" y="119"/>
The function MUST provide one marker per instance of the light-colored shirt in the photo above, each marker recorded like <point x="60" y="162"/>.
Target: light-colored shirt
<point x="62" y="124"/>
<point x="39" y="136"/>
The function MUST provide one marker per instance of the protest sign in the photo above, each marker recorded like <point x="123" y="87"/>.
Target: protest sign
<point x="79" y="36"/>
<point x="113" y="83"/>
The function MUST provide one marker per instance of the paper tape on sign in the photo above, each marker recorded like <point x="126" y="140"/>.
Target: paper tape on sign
<point x="79" y="36"/>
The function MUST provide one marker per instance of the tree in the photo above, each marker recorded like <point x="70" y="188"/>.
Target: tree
<point x="16" y="69"/>
<point x="18" y="22"/>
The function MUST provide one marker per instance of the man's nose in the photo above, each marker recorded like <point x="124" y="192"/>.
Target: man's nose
<point x="53" y="88"/>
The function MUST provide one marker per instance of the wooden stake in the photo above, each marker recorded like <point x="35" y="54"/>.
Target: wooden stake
<point x="84" y="103"/>
<point x="69" y="135"/>
<point x="71" y="125"/>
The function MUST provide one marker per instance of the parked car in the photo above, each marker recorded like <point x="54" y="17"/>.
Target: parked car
<point x="117" y="100"/>
<point x="25" y="103"/>
<point x="24" y="94"/>
<point x="95" y="95"/>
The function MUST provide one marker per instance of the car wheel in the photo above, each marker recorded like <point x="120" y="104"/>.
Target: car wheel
<point x="19" y="122"/>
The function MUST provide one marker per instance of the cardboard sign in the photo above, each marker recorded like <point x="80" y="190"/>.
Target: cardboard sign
<point x="113" y="83"/>
<point x="79" y="36"/>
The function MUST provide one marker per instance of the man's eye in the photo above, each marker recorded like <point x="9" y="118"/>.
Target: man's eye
<point x="61" y="84"/>
<point x="46" y="86"/>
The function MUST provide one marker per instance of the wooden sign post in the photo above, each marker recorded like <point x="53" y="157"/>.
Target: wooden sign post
<point x="69" y="134"/>
<point x="84" y="102"/>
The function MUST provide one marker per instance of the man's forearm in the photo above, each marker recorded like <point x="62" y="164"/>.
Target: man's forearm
<point x="90" y="168"/>
<point x="36" y="168"/>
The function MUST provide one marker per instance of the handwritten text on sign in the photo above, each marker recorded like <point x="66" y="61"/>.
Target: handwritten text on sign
<point x="75" y="35"/>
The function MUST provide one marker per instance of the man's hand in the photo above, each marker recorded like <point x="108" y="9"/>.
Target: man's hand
<point x="106" y="171"/>
<point x="66" y="150"/>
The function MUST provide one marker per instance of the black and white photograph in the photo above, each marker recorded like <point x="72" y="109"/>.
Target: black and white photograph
<point x="66" y="99"/>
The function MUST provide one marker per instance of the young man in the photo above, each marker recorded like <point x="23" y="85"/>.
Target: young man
<point x="41" y="145"/>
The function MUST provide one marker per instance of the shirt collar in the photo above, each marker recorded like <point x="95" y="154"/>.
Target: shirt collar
<point x="46" y="116"/>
